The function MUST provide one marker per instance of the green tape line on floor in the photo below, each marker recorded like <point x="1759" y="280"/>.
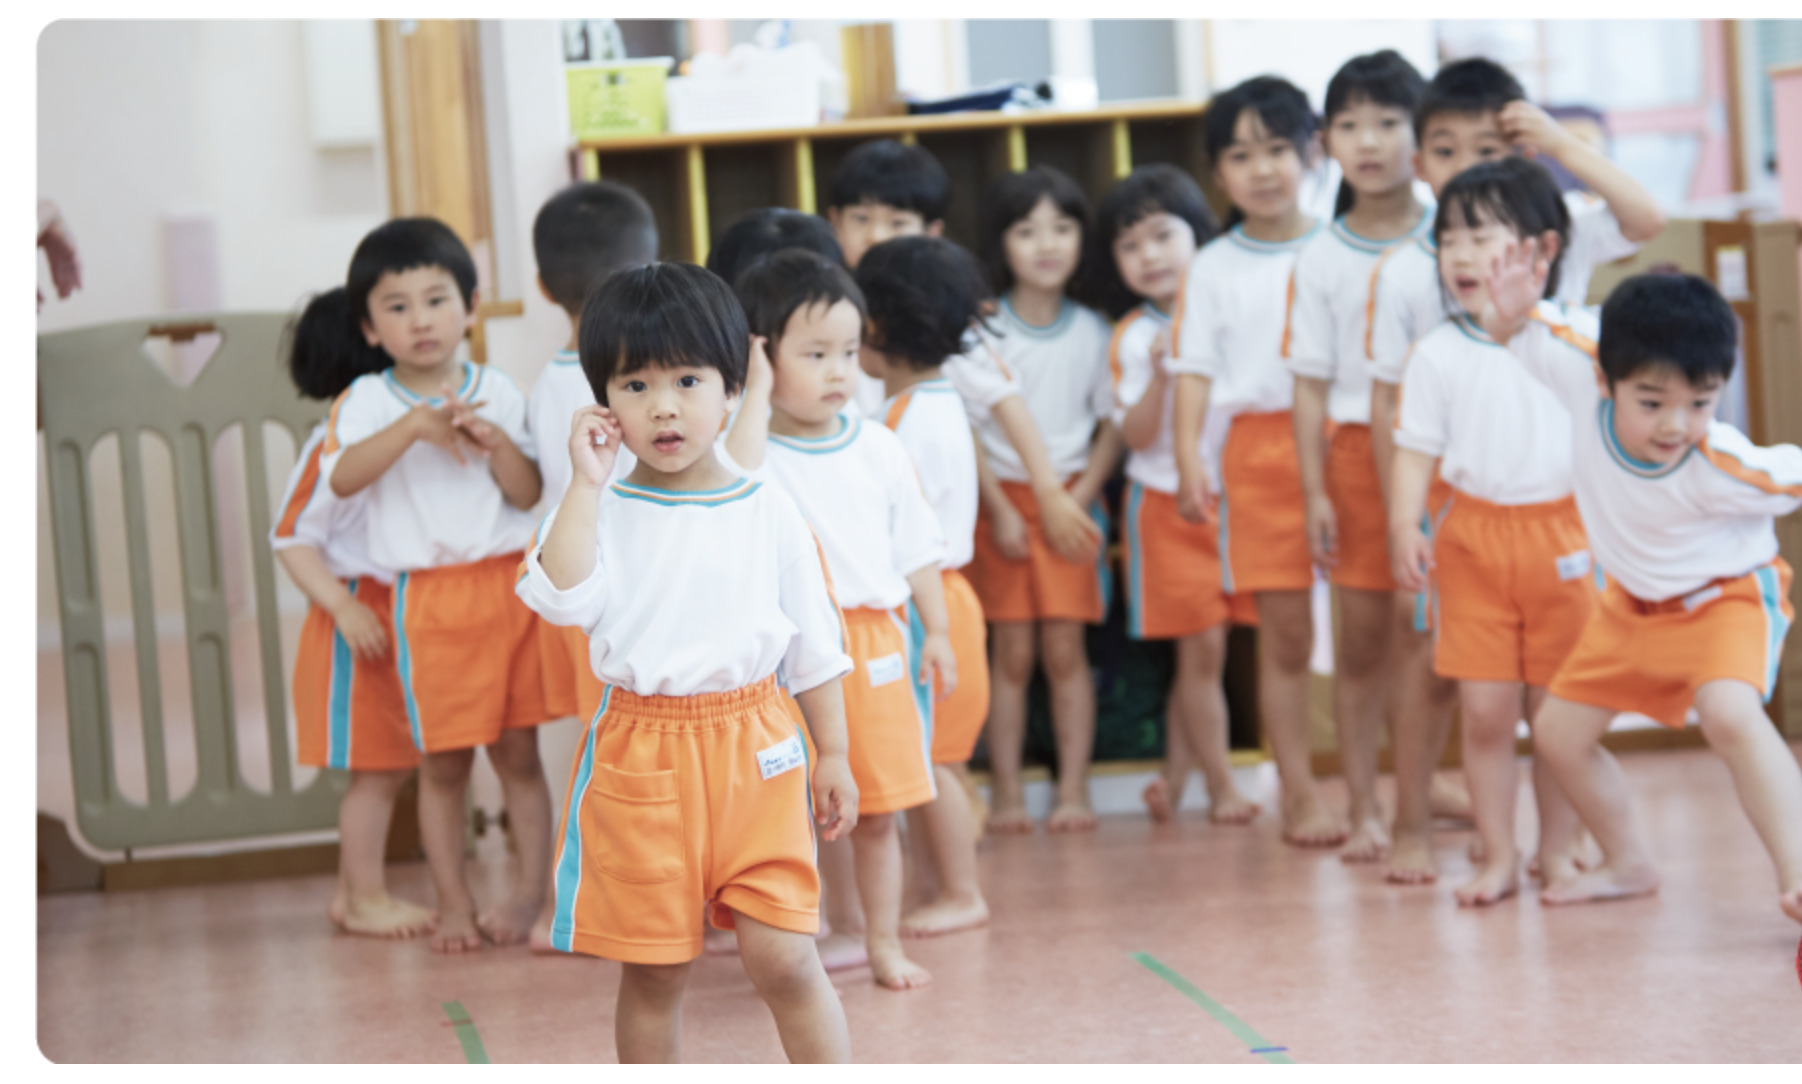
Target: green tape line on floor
<point x="473" y="1051"/>
<point x="1254" y="1042"/>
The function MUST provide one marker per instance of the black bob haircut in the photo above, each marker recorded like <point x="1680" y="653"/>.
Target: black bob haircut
<point x="1670" y="320"/>
<point x="1281" y="108"/>
<point x="1146" y="191"/>
<point x="891" y="172"/>
<point x="766" y="231"/>
<point x="1382" y="78"/>
<point x="923" y="295"/>
<point x="1472" y="86"/>
<point x="1516" y="192"/>
<point x="586" y="232"/>
<point x="773" y="289"/>
<point x="324" y="347"/>
<point x="1011" y="198"/>
<point x="666" y="316"/>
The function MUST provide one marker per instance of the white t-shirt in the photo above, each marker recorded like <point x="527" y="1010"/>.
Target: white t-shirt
<point x="1663" y="531"/>
<point x="930" y="421"/>
<point x="560" y="391"/>
<point x="1062" y="371"/>
<point x="427" y="510"/>
<point x="980" y="377"/>
<point x="1329" y="313"/>
<point x="312" y="515"/>
<point x="1595" y="239"/>
<point x="1499" y="435"/>
<point x="1129" y="361"/>
<point x="1230" y="319"/>
<point x="698" y="592"/>
<point x="858" y="490"/>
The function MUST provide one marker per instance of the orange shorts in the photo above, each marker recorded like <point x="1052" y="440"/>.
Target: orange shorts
<point x="1358" y="511"/>
<point x="957" y="719"/>
<point x="888" y="712"/>
<point x="349" y="712"/>
<point x="1651" y="657"/>
<point x="1044" y="587"/>
<point x="1172" y="571"/>
<point x="469" y="654"/>
<point x="676" y="802"/>
<point x="1262" y="514"/>
<point x="1512" y="588"/>
<point x="570" y="686"/>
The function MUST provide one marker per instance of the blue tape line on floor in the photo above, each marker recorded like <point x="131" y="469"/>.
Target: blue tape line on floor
<point x="473" y="1051"/>
<point x="1255" y="1043"/>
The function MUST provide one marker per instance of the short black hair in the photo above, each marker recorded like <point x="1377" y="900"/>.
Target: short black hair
<point x="1518" y="193"/>
<point x="766" y="231"/>
<point x="891" y="172"/>
<point x="924" y="294"/>
<point x="1155" y="189"/>
<point x="1281" y="107"/>
<point x="1663" y="319"/>
<point x="772" y="289"/>
<point x="1382" y="78"/>
<point x="1471" y="86"/>
<point x="1009" y="199"/>
<point x="324" y="346"/>
<point x="663" y="315"/>
<point x="586" y="232"/>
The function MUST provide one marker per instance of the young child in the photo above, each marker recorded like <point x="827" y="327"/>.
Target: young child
<point x="1679" y="508"/>
<point x="1037" y="599"/>
<point x="759" y="233"/>
<point x="1470" y="113"/>
<point x="1511" y="579"/>
<point x="696" y="588"/>
<point x="440" y="446"/>
<point x="581" y="235"/>
<point x="923" y="294"/>
<point x="1369" y="113"/>
<point x="1227" y="338"/>
<point x="883" y="548"/>
<point x="1146" y="232"/>
<point x="349" y="712"/>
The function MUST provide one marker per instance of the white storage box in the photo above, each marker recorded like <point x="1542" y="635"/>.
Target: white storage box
<point x="741" y="103"/>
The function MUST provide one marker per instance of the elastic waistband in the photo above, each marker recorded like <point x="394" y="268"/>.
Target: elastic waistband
<point x="1266" y="419"/>
<point x="1562" y="508"/>
<point x="1696" y="599"/>
<point x="508" y="562"/>
<point x="702" y="711"/>
<point x="855" y="614"/>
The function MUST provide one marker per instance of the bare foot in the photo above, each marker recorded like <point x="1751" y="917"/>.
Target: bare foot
<point x="719" y="942"/>
<point x="1233" y="808"/>
<point x="1156" y="797"/>
<point x="1449" y="799"/>
<point x="1602" y="884"/>
<point x="456" y="934"/>
<point x="1009" y="822"/>
<point x="383" y="916"/>
<point x="1369" y="842"/>
<point x="1070" y="817"/>
<point x="894" y="971"/>
<point x="1791" y="902"/>
<point x="1411" y="860"/>
<point x="540" y="940"/>
<point x="1308" y="823"/>
<point x="511" y="922"/>
<point x="842" y="951"/>
<point x="943" y="916"/>
<point x="1495" y="882"/>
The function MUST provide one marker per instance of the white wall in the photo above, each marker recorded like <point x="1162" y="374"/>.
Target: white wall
<point x="1308" y="52"/>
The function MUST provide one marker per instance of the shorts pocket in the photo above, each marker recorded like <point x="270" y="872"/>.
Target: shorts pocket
<point x="638" y="825"/>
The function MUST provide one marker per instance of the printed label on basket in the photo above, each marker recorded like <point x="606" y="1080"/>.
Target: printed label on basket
<point x="781" y="757"/>
<point x="886" y="670"/>
<point x="1574" y="566"/>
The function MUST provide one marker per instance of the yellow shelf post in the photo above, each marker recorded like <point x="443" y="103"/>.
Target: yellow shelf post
<point x="697" y="203"/>
<point x="1016" y="148"/>
<point x="1123" y="147"/>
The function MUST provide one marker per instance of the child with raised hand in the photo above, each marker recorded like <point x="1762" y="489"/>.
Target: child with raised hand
<point x="1147" y="229"/>
<point x="440" y="445"/>
<point x="1507" y="565"/>
<point x="349" y="712"/>
<point x="1226" y="337"/>
<point x="883" y="548"/>
<point x="1679" y="507"/>
<point x="923" y="294"/>
<point x="1037" y="599"/>
<point x="696" y="588"/>
<point x="1369" y="110"/>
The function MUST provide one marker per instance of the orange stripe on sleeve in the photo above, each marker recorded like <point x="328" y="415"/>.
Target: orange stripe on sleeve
<point x="1289" y="313"/>
<point x="1176" y="314"/>
<point x="844" y="633"/>
<point x="897" y="409"/>
<point x="331" y="423"/>
<point x="303" y="494"/>
<point x="1564" y="333"/>
<point x="1370" y="304"/>
<point x="999" y="364"/>
<point x="1752" y="476"/>
<point x="1113" y="346"/>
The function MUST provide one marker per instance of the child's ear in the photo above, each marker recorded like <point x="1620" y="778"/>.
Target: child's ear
<point x="542" y="289"/>
<point x="832" y="219"/>
<point x="369" y="334"/>
<point x="1602" y="384"/>
<point x="1415" y="158"/>
<point x="935" y="228"/>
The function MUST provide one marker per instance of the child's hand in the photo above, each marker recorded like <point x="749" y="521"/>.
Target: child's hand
<point x="1534" y="130"/>
<point x="362" y="630"/>
<point x="438" y="425"/>
<point x="1513" y="285"/>
<point x="760" y="375"/>
<point x="1160" y="351"/>
<point x="1072" y="534"/>
<point x="1194" y="495"/>
<point x="1411" y="554"/>
<point x="936" y="657"/>
<point x="1009" y="528"/>
<point x="1323" y="532"/>
<point x="834" y="796"/>
<point x="594" y="437"/>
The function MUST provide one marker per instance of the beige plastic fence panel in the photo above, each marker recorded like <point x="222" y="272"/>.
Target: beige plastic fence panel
<point x="95" y="381"/>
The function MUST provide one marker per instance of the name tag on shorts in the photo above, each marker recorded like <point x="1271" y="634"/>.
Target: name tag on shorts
<point x="887" y="669"/>
<point x="1574" y="566"/>
<point x="781" y="757"/>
